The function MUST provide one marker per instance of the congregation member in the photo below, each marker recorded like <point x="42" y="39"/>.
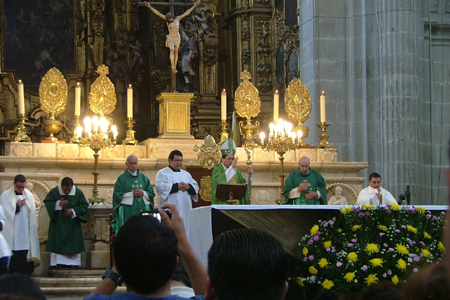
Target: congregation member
<point x="21" y="287"/>
<point x="133" y="193"/>
<point x="21" y="232"/>
<point x="146" y="254"/>
<point x="305" y="185"/>
<point x="176" y="186"/>
<point x="226" y="172"/>
<point x="374" y="194"/>
<point x="67" y="208"/>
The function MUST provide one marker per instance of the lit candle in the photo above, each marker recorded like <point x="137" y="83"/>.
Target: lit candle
<point x="79" y="130"/>
<point x="276" y="106"/>
<point x="323" y="114"/>
<point x="130" y="102"/>
<point x="77" y="99"/>
<point x="293" y="136"/>
<point x="95" y="121"/>
<point x="262" y="135"/>
<point x="87" y="125"/>
<point x="103" y="125"/>
<point x="21" y="99"/>
<point x="114" y="131"/>
<point x="223" y="105"/>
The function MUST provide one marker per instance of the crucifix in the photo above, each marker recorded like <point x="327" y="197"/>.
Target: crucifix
<point x="173" y="24"/>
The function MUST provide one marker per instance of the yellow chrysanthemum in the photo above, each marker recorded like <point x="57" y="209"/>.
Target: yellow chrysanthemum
<point x="300" y="282"/>
<point x="323" y="262"/>
<point x="376" y="262"/>
<point x="314" y="229"/>
<point x="327" y="284"/>
<point x="368" y="206"/>
<point x="305" y="251"/>
<point x="395" y="279"/>
<point x="382" y="227"/>
<point x="401" y="249"/>
<point x="352" y="256"/>
<point x="356" y="227"/>
<point x="401" y="264"/>
<point x="313" y="270"/>
<point x="426" y="252"/>
<point x="339" y="230"/>
<point x="421" y="209"/>
<point x="411" y="229"/>
<point x="346" y="210"/>
<point x="349" y="276"/>
<point x="372" y="278"/>
<point x="441" y="246"/>
<point x="327" y="244"/>
<point x="394" y="206"/>
<point x="426" y="235"/>
<point x="371" y="248"/>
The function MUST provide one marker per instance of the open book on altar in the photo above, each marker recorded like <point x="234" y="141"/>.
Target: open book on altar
<point x="231" y="192"/>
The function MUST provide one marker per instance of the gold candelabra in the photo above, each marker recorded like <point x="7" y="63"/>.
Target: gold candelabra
<point x="281" y="139"/>
<point x="323" y="136"/>
<point x="130" y="140"/>
<point x="98" y="135"/>
<point x="22" y="130"/>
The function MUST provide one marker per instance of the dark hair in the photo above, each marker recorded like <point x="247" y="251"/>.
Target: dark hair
<point x="385" y="290"/>
<point x="19" y="178"/>
<point x="247" y="264"/>
<point x="145" y="253"/>
<point x="169" y="15"/>
<point x="173" y="153"/>
<point x="429" y="283"/>
<point x="67" y="181"/>
<point x="374" y="175"/>
<point x="181" y="275"/>
<point x="20" y="284"/>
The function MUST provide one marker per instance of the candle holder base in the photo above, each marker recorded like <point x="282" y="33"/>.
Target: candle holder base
<point x="75" y="139"/>
<point x="22" y="130"/>
<point x="130" y="140"/>
<point x="323" y="137"/>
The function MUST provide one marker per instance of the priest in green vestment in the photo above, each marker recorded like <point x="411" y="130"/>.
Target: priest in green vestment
<point x="67" y="208"/>
<point x="133" y="193"/>
<point x="226" y="172"/>
<point x="305" y="185"/>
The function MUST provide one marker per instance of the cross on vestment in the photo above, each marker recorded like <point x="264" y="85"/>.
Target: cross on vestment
<point x="171" y="5"/>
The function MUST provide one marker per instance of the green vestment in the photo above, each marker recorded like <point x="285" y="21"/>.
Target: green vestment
<point x="65" y="235"/>
<point x="128" y="183"/>
<point x="218" y="176"/>
<point x="316" y="181"/>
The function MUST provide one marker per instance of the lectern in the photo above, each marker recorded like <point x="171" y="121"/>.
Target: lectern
<point x="232" y="192"/>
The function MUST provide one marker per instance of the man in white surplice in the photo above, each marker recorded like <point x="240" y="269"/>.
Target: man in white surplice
<point x="374" y="193"/>
<point x="176" y="186"/>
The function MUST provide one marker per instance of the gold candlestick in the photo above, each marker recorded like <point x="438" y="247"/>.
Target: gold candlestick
<point x="323" y="137"/>
<point x="130" y="140"/>
<point x="223" y="132"/>
<point x="76" y="139"/>
<point x="22" y="130"/>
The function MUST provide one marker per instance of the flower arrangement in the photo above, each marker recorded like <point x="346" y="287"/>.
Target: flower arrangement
<point x="366" y="244"/>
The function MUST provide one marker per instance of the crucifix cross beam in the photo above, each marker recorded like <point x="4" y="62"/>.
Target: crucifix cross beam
<point x="171" y="4"/>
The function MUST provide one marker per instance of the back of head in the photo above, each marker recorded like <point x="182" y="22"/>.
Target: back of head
<point x="247" y="264"/>
<point x="20" y="285"/>
<point x="145" y="253"/>
<point x="430" y="283"/>
<point x="385" y="290"/>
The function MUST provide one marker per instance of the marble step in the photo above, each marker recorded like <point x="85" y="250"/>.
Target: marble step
<point x="70" y="286"/>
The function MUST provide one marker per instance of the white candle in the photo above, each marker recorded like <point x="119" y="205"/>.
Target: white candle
<point x="130" y="102"/>
<point x="21" y="99"/>
<point x="87" y="125"/>
<point x="223" y="105"/>
<point x="79" y="131"/>
<point x="262" y="135"/>
<point x="276" y="106"/>
<point x="77" y="99"/>
<point x="95" y="122"/>
<point x="323" y="114"/>
<point x="114" y="131"/>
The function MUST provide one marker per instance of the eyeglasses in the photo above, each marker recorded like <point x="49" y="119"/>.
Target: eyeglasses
<point x="20" y="186"/>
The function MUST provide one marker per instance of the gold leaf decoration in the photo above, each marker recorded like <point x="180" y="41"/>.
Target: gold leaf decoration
<point x="297" y="101"/>
<point x="102" y="98"/>
<point x="247" y="101"/>
<point x="53" y="93"/>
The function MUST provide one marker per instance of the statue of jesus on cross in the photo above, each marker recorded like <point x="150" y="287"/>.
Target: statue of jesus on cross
<point x="173" y="23"/>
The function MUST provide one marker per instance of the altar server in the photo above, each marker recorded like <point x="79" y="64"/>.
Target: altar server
<point x="176" y="186"/>
<point x="374" y="193"/>
<point x="67" y="208"/>
<point x="227" y="172"/>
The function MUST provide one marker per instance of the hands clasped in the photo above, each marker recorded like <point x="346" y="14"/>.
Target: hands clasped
<point x="138" y="193"/>
<point x="183" y="186"/>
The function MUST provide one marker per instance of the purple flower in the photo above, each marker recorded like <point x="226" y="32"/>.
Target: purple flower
<point x="397" y="231"/>
<point x="389" y="272"/>
<point x="325" y="225"/>
<point x="354" y="240"/>
<point x="316" y="238"/>
<point x="434" y="218"/>
<point x="391" y="250"/>
<point x="356" y="209"/>
<point x="328" y="250"/>
<point x="382" y="233"/>
<point x="415" y="270"/>
<point x="384" y="275"/>
<point x="310" y="242"/>
<point x="403" y="226"/>
<point x="350" y="245"/>
<point x="422" y="243"/>
<point x="411" y="243"/>
<point x="429" y="216"/>
<point x="305" y="259"/>
<point x="364" y="268"/>
<point x="312" y="278"/>
<point x="361" y="215"/>
<point x="311" y="257"/>
<point x="388" y="211"/>
<point x="331" y="223"/>
<point x="410" y="260"/>
<point x="338" y="264"/>
<point x="334" y="218"/>
<point x="367" y="213"/>
<point x="385" y="245"/>
<point x="416" y="258"/>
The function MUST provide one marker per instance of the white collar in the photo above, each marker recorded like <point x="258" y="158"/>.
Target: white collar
<point x="72" y="191"/>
